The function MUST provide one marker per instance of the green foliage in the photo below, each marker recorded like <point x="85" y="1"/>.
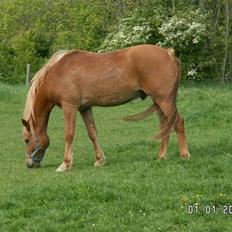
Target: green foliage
<point x="132" y="192"/>
<point x="130" y="31"/>
<point x="138" y="28"/>
<point x="187" y="31"/>
<point x="31" y="31"/>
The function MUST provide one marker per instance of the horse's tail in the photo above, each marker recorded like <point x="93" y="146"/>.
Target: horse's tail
<point x="167" y="124"/>
<point x="141" y="115"/>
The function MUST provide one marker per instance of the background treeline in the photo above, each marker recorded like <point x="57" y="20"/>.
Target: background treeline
<point x="199" y="30"/>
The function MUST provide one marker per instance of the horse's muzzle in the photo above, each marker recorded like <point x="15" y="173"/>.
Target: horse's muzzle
<point x="32" y="163"/>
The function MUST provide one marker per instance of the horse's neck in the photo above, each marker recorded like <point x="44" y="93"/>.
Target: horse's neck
<point x="42" y="111"/>
<point x="40" y="124"/>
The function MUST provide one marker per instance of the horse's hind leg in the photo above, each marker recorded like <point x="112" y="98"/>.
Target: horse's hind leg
<point x="164" y="141"/>
<point x="168" y="116"/>
<point x="175" y="121"/>
<point x="70" y="121"/>
<point x="163" y="148"/>
<point x="180" y="131"/>
<point x="92" y="132"/>
<point x="166" y="109"/>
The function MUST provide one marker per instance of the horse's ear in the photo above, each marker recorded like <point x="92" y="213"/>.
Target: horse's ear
<point x="26" y="124"/>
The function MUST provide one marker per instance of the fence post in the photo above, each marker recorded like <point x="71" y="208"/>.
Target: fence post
<point x="28" y="74"/>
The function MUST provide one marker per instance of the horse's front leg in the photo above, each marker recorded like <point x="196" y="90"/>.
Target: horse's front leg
<point x="70" y="122"/>
<point x="92" y="132"/>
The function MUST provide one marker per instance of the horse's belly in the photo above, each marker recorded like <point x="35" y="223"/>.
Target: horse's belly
<point x="113" y="98"/>
<point x="110" y="88"/>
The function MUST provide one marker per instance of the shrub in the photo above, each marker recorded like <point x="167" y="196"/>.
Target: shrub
<point x="130" y="31"/>
<point x="138" y="28"/>
<point x="187" y="32"/>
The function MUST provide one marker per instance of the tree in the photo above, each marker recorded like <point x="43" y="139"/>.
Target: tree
<point x="227" y="15"/>
<point x="31" y="31"/>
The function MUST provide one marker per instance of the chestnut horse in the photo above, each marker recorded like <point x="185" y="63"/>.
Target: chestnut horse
<point x="77" y="80"/>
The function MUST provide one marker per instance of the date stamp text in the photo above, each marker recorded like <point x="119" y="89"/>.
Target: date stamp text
<point x="210" y="209"/>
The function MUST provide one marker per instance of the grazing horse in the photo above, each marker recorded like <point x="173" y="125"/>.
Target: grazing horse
<point x="77" y="80"/>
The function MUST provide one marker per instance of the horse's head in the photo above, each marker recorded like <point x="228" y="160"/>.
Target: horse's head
<point x="36" y="145"/>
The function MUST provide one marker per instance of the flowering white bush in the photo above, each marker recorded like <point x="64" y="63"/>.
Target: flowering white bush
<point x="130" y="31"/>
<point x="187" y="32"/>
<point x="180" y="31"/>
<point x="184" y="31"/>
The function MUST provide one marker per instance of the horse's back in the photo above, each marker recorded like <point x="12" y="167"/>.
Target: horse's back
<point x="113" y="78"/>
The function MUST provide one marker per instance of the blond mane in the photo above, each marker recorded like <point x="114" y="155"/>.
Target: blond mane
<point x="38" y="80"/>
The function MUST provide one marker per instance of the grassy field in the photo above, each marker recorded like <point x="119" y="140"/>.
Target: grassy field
<point x="132" y="192"/>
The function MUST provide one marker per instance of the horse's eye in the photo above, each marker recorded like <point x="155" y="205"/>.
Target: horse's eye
<point x="26" y="140"/>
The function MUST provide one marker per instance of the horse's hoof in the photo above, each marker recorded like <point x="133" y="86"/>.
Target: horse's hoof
<point x="63" y="168"/>
<point x="99" y="163"/>
<point x="159" y="158"/>
<point x="186" y="156"/>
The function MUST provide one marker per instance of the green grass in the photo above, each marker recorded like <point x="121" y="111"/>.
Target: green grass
<point x="132" y="192"/>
